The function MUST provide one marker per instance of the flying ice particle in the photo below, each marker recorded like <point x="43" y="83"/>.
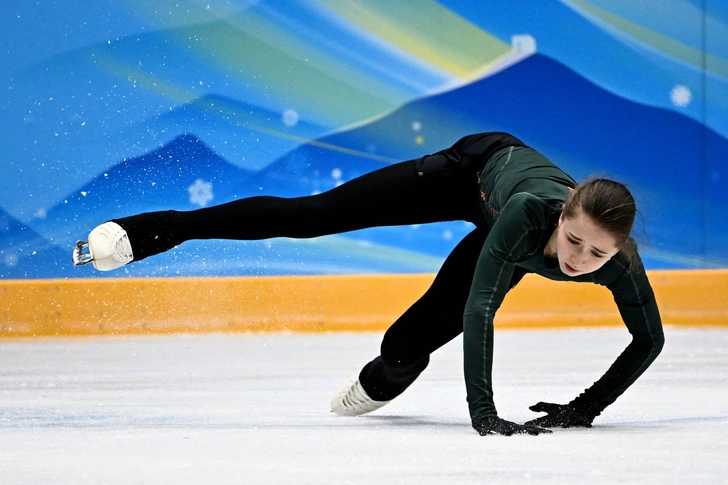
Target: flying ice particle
<point x="416" y="126"/>
<point x="336" y="174"/>
<point x="200" y="192"/>
<point x="681" y="95"/>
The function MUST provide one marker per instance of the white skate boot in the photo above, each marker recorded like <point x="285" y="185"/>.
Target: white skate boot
<point x="352" y="400"/>
<point x="108" y="248"/>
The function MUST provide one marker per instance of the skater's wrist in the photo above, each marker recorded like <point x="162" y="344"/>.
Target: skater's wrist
<point x="483" y="417"/>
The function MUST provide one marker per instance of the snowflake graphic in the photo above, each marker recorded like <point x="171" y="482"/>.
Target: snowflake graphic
<point x="681" y="95"/>
<point x="11" y="260"/>
<point x="200" y="192"/>
<point x="290" y="117"/>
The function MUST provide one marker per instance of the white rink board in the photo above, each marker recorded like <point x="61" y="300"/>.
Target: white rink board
<point x="244" y="408"/>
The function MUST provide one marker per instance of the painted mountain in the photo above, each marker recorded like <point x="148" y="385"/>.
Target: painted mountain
<point x="186" y="174"/>
<point x="79" y="98"/>
<point x="637" y="50"/>
<point x="581" y="127"/>
<point x="587" y="131"/>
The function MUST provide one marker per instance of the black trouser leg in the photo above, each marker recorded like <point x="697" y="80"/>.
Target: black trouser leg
<point x="434" y="320"/>
<point x="393" y="195"/>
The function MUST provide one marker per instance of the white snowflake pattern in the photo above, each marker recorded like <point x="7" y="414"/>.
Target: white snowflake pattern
<point x="11" y="260"/>
<point x="523" y="43"/>
<point x="200" y="192"/>
<point x="290" y="117"/>
<point x="681" y="95"/>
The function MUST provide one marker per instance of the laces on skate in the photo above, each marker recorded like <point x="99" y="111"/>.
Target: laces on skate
<point x="352" y="400"/>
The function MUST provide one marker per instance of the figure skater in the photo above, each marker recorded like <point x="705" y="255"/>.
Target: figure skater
<point x="529" y="217"/>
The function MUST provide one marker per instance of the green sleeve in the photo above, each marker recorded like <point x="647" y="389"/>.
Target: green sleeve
<point x="636" y="303"/>
<point x="511" y="237"/>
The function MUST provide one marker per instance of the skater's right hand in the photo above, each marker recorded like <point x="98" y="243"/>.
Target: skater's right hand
<point x="495" y="425"/>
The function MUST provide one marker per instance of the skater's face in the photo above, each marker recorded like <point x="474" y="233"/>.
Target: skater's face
<point x="582" y="246"/>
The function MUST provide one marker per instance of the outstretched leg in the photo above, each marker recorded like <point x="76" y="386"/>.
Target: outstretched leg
<point x="395" y="195"/>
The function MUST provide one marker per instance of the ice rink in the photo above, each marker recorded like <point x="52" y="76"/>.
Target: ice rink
<point x="251" y="408"/>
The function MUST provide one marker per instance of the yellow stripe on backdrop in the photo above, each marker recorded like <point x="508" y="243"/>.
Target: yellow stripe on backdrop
<point x="320" y="304"/>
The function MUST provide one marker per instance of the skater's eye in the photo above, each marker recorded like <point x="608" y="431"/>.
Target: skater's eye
<point x="576" y="243"/>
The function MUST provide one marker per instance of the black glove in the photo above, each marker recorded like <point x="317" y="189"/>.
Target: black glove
<point x="559" y="416"/>
<point x="496" y="425"/>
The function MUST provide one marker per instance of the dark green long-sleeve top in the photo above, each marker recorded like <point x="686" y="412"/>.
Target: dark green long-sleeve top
<point x="522" y="194"/>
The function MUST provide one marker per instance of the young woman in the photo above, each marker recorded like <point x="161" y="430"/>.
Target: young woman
<point x="530" y="217"/>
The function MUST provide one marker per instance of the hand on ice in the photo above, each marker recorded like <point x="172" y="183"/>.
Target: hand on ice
<point x="559" y="416"/>
<point x="496" y="425"/>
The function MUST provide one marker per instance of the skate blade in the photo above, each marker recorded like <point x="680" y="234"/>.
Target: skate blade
<point x="81" y="254"/>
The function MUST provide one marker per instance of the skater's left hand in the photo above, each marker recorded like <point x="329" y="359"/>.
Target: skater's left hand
<point x="559" y="416"/>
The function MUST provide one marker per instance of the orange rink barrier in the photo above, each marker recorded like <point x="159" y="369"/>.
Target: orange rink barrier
<point x="321" y="303"/>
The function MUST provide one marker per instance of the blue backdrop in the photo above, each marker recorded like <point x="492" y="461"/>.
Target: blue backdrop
<point x="119" y="107"/>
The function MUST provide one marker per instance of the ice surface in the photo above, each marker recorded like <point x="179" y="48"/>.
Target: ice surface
<point x="231" y="409"/>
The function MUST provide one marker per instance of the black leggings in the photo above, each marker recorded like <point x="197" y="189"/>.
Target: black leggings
<point x="391" y="196"/>
<point x="401" y="194"/>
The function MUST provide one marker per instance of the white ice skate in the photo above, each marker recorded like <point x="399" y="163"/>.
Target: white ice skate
<point x="108" y="248"/>
<point x="352" y="400"/>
